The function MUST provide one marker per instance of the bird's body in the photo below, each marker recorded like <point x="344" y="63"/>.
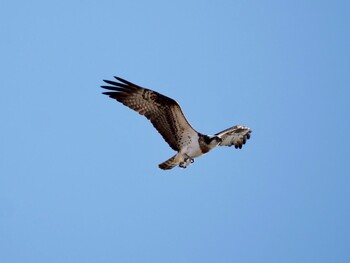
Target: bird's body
<point x="167" y="117"/>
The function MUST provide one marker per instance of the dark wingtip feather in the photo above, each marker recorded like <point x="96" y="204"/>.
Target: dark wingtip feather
<point x="126" y="83"/>
<point x="122" y="80"/>
<point x="112" y="88"/>
<point x="111" y="82"/>
<point x="108" y="93"/>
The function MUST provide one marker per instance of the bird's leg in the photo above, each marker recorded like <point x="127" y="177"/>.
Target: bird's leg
<point x="183" y="165"/>
<point x="187" y="161"/>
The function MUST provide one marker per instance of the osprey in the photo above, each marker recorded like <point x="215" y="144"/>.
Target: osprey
<point x="166" y="116"/>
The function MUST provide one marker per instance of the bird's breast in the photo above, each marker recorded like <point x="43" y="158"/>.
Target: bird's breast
<point x="191" y="146"/>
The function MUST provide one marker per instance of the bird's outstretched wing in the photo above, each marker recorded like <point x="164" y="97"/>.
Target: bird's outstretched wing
<point x="236" y="135"/>
<point x="164" y="112"/>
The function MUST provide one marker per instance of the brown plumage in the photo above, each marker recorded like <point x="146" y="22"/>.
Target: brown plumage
<point x="159" y="109"/>
<point x="167" y="117"/>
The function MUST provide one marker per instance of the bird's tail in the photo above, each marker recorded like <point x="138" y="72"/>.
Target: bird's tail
<point x="171" y="163"/>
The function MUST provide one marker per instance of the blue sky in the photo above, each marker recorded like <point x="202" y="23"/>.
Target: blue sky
<point x="79" y="178"/>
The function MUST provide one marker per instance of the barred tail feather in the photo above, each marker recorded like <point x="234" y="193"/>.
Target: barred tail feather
<point x="170" y="163"/>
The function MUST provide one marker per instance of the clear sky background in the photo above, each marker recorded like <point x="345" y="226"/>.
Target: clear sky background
<point x="79" y="176"/>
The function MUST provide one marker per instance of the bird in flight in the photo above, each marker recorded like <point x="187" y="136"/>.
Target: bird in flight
<point x="167" y="117"/>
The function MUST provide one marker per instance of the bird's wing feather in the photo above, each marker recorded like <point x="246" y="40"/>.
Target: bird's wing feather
<point x="236" y="135"/>
<point x="164" y="113"/>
